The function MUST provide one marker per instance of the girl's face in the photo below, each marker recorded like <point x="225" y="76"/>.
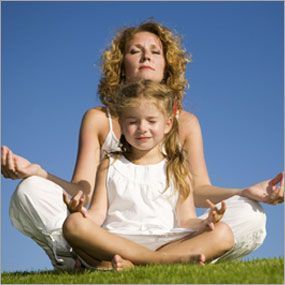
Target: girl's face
<point x="144" y="58"/>
<point x="145" y="126"/>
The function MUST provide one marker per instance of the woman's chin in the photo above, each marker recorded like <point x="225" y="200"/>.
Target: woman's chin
<point x="144" y="76"/>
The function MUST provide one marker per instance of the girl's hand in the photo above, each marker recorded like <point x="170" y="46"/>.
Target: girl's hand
<point x="16" y="167"/>
<point x="75" y="204"/>
<point x="215" y="214"/>
<point x="268" y="191"/>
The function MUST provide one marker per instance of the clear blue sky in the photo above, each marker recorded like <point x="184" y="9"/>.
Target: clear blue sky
<point x="50" y="73"/>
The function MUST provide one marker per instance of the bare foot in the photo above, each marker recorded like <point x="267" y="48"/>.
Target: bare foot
<point x="120" y="264"/>
<point x="104" y="265"/>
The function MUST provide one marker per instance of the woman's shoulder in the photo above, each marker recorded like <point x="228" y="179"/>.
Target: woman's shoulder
<point x="95" y="121"/>
<point x="95" y="113"/>
<point x="188" y="119"/>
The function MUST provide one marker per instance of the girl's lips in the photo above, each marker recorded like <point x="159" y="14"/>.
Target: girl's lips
<point x="142" y="138"/>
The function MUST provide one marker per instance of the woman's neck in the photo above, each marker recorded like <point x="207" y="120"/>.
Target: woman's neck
<point x="145" y="157"/>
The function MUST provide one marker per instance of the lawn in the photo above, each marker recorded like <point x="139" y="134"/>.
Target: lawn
<point x="259" y="271"/>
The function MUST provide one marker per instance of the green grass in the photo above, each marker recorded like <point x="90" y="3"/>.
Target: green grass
<point x="259" y="271"/>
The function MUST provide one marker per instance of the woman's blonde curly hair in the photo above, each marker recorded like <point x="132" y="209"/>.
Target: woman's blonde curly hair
<point x="112" y="62"/>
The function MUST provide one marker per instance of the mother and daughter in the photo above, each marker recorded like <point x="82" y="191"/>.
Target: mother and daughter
<point x="141" y="190"/>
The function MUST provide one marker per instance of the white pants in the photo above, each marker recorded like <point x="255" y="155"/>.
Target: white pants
<point x="38" y="211"/>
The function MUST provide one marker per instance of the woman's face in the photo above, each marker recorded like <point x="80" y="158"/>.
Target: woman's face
<point x="144" y="58"/>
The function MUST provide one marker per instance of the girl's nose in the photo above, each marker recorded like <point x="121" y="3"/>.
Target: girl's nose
<point x="142" y="127"/>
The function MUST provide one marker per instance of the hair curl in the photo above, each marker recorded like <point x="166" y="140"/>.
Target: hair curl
<point x="177" y="168"/>
<point x="112" y="61"/>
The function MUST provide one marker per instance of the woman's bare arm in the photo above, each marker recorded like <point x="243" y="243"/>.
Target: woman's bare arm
<point x="191" y="136"/>
<point x="270" y="191"/>
<point x="93" y="128"/>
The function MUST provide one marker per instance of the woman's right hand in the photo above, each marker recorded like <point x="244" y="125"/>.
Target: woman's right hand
<point x="75" y="204"/>
<point x="17" y="167"/>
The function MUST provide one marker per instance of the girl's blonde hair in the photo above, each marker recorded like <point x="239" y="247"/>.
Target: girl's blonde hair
<point x="112" y="61"/>
<point x="164" y="98"/>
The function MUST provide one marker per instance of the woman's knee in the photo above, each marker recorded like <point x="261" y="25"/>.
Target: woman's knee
<point x="33" y="187"/>
<point x="26" y="188"/>
<point x="245" y="216"/>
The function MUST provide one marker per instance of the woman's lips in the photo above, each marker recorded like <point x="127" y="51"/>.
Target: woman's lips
<point x="146" y="67"/>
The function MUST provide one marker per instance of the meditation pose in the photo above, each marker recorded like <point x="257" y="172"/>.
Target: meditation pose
<point x="149" y="51"/>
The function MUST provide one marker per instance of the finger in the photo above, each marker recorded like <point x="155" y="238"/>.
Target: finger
<point x="4" y="152"/>
<point x="211" y="205"/>
<point x="10" y="161"/>
<point x="75" y="200"/>
<point x="222" y="210"/>
<point x="66" y="199"/>
<point x="216" y="217"/>
<point x="211" y="226"/>
<point x="282" y="183"/>
<point x="80" y="204"/>
<point x="84" y="212"/>
<point x="278" y="178"/>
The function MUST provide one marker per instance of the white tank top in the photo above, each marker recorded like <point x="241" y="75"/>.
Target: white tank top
<point x="111" y="142"/>
<point x="138" y="202"/>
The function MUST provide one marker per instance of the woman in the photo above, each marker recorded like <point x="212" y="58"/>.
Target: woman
<point x="148" y="51"/>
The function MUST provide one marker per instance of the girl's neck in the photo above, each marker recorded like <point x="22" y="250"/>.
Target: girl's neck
<point x="145" y="157"/>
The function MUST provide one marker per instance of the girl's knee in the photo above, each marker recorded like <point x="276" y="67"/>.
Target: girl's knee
<point x="73" y="226"/>
<point x="224" y="235"/>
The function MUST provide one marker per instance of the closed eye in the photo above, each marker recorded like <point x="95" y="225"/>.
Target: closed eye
<point x="134" y="51"/>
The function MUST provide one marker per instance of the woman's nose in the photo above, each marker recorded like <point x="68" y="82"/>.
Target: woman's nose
<point x="146" y="56"/>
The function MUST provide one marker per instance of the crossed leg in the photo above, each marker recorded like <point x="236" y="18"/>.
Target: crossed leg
<point x="212" y="244"/>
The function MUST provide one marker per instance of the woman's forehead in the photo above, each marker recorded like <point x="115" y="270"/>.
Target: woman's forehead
<point x="144" y="37"/>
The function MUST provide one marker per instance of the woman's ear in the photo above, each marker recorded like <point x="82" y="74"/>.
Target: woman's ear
<point x="168" y="125"/>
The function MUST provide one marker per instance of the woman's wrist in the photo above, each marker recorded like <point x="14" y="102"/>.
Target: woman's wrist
<point x="42" y="172"/>
<point x="242" y="193"/>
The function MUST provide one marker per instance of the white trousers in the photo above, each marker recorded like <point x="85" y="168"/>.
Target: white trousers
<point x="38" y="211"/>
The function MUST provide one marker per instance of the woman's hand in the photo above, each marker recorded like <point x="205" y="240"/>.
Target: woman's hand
<point x="16" y="167"/>
<point x="75" y="204"/>
<point x="215" y="214"/>
<point x="268" y="191"/>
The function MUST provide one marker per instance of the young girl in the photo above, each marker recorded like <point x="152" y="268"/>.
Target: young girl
<point x="143" y="201"/>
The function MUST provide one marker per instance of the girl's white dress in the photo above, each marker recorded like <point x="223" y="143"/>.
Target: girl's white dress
<point x="140" y="207"/>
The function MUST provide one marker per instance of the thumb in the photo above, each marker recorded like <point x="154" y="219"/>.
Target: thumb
<point x="211" y="226"/>
<point x="84" y="212"/>
<point x="65" y="198"/>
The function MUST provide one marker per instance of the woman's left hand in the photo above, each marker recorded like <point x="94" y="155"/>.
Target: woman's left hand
<point x="269" y="191"/>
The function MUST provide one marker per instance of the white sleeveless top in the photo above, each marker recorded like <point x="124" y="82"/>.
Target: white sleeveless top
<point x="111" y="142"/>
<point x="139" y="202"/>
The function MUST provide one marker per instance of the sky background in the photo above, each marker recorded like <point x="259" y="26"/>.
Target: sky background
<point x="51" y="68"/>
